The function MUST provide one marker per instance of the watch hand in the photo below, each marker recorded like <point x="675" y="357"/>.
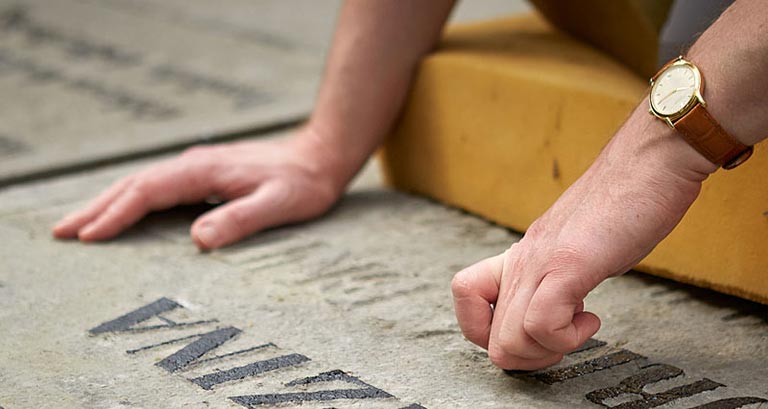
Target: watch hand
<point x="673" y="92"/>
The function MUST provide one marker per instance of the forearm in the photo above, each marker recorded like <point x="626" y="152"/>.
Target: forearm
<point x="733" y="55"/>
<point x="375" y="53"/>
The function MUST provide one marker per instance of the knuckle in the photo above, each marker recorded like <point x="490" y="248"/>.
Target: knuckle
<point x="142" y="189"/>
<point x="497" y="357"/>
<point x="238" y="216"/>
<point x="535" y="230"/>
<point x="284" y="195"/>
<point x="500" y="354"/>
<point x="203" y="158"/>
<point x="535" y="327"/>
<point x="461" y="286"/>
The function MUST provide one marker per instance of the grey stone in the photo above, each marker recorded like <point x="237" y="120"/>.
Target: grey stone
<point x="91" y="82"/>
<point x="87" y="83"/>
<point x="362" y="294"/>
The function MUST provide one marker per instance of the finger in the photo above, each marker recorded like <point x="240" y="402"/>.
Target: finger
<point x="160" y="187"/>
<point x="555" y="316"/>
<point x="273" y="203"/>
<point x="509" y="341"/>
<point x="73" y="222"/>
<point x="522" y="364"/>
<point x="475" y="289"/>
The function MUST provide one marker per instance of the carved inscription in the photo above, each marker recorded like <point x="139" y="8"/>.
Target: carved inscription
<point x="33" y="60"/>
<point x="583" y="368"/>
<point x="16" y="20"/>
<point x="732" y="403"/>
<point x="138" y="106"/>
<point x="364" y="391"/>
<point x="200" y="345"/>
<point x="242" y="95"/>
<point x="10" y="146"/>
<point x="633" y="386"/>
<point x="631" y="391"/>
<point x="208" y="381"/>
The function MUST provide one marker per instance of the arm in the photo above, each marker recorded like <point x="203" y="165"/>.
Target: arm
<point x="632" y="197"/>
<point x="376" y="49"/>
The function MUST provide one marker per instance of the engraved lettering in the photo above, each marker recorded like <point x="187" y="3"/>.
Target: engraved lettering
<point x="651" y="374"/>
<point x="242" y="95"/>
<point x="732" y="403"/>
<point x="17" y="20"/>
<point x="365" y="391"/>
<point x="127" y="321"/>
<point x="208" y="381"/>
<point x="201" y="346"/>
<point x="602" y="363"/>
<point x="124" y="100"/>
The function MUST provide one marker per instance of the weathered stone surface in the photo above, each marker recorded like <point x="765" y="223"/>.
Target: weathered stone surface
<point x="89" y="82"/>
<point x="353" y="310"/>
<point x="86" y="82"/>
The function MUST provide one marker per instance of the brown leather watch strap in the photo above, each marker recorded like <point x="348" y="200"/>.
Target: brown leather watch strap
<point x="703" y="132"/>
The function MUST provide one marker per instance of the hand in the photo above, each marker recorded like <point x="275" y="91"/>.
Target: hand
<point x="526" y="305"/>
<point x="268" y="183"/>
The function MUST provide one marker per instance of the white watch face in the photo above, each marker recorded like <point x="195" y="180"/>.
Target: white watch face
<point x="673" y="89"/>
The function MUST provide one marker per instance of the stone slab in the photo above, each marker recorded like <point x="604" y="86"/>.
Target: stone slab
<point x="354" y="308"/>
<point x="89" y="82"/>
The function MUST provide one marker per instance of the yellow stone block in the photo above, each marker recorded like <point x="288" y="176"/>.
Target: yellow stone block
<point x="507" y="114"/>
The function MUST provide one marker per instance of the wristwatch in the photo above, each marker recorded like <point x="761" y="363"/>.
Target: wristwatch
<point x="676" y="98"/>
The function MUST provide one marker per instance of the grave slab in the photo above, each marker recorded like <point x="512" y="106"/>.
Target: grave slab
<point x="91" y="82"/>
<point x="350" y="311"/>
<point x="88" y="82"/>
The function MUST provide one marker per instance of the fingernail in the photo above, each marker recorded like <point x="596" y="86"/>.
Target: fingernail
<point x="208" y="235"/>
<point x="64" y="221"/>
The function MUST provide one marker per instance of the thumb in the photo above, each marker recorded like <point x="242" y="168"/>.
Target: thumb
<point x="272" y="204"/>
<point x="474" y="290"/>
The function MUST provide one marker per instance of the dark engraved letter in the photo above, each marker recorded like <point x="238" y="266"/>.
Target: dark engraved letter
<point x="602" y="363"/>
<point x="731" y="403"/>
<point x="134" y="317"/>
<point x="201" y="346"/>
<point x="365" y="391"/>
<point x="651" y="374"/>
<point x="210" y="380"/>
<point x="591" y="343"/>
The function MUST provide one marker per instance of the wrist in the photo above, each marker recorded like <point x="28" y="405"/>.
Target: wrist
<point x="323" y="155"/>
<point x="648" y="144"/>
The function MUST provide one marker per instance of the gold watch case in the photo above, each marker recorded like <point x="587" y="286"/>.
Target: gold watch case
<point x="696" y="98"/>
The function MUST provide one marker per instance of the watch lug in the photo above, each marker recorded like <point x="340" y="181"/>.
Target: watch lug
<point x="669" y="122"/>
<point x="701" y="99"/>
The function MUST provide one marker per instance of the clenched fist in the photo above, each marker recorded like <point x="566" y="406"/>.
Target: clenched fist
<point x="526" y="305"/>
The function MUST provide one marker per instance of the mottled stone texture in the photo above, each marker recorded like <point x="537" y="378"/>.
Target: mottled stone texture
<point x="350" y="311"/>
